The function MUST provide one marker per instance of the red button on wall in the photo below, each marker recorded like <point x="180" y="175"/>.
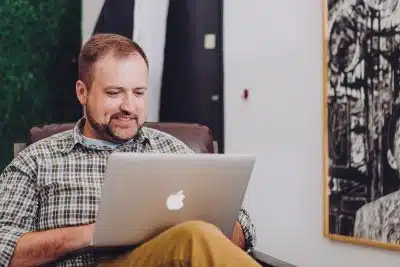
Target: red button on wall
<point x="245" y="94"/>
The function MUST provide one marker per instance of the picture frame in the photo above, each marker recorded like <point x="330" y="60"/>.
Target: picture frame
<point x="361" y="122"/>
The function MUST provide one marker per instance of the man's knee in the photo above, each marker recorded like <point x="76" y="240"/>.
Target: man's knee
<point x="197" y="228"/>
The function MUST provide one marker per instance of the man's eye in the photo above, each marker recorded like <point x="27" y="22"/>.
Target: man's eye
<point x="112" y="93"/>
<point x="139" y="93"/>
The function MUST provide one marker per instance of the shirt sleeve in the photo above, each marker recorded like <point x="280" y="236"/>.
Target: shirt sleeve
<point x="248" y="229"/>
<point x="18" y="205"/>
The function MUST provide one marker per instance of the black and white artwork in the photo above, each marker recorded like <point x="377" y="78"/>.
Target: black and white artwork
<point x="362" y="67"/>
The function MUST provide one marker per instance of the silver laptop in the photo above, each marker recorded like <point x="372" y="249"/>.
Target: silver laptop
<point x="145" y="194"/>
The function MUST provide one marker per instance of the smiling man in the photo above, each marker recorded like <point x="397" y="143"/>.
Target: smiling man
<point x="49" y="194"/>
<point x="115" y="102"/>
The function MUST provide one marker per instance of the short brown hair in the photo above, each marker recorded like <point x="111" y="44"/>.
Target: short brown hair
<point x="98" y="46"/>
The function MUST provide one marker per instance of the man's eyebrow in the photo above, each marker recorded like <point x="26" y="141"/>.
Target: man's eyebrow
<point x="114" y="87"/>
<point x="110" y="87"/>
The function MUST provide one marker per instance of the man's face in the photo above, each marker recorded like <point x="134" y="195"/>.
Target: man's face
<point x="116" y="102"/>
<point x="394" y="153"/>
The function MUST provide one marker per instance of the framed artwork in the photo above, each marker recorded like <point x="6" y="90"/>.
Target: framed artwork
<point x="362" y="122"/>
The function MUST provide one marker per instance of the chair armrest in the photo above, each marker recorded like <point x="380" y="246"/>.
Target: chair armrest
<point x="269" y="261"/>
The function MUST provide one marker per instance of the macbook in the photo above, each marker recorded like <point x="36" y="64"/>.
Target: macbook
<point x="145" y="194"/>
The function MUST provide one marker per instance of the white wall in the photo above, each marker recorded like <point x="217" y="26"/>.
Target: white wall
<point x="149" y="32"/>
<point x="275" y="49"/>
<point x="90" y="12"/>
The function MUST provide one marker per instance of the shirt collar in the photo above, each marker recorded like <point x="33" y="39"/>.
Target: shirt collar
<point x="141" y="137"/>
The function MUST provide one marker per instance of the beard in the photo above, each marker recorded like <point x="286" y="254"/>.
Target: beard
<point x="106" y="131"/>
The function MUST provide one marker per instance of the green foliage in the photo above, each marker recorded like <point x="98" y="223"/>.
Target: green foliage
<point x="39" y="44"/>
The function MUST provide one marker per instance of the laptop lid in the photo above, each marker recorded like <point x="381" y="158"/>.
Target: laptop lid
<point x="145" y="194"/>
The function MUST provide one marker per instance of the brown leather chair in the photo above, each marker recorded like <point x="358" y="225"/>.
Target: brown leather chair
<point x="198" y="137"/>
<point x="195" y="136"/>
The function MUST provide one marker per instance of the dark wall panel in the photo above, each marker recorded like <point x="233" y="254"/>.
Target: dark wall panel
<point x="192" y="74"/>
<point x="116" y="17"/>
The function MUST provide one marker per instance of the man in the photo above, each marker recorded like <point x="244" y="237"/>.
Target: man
<point x="49" y="194"/>
<point x="379" y="220"/>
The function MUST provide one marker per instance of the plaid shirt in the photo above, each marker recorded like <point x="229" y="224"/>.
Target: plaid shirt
<point x="57" y="182"/>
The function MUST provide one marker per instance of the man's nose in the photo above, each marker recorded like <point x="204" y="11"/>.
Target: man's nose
<point x="128" y="105"/>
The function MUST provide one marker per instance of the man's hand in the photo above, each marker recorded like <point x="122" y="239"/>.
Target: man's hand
<point x="41" y="247"/>
<point x="238" y="236"/>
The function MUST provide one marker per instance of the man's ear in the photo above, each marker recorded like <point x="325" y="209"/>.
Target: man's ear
<point x="391" y="160"/>
<point x="81" y="92"/>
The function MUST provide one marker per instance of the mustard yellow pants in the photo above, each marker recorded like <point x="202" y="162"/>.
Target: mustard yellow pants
<point x="193" y="243"/>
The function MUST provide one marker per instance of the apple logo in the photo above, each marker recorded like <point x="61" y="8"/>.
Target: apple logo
<point x="175" y="201"/>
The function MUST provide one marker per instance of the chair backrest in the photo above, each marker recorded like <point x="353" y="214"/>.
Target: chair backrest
<point x="198" y="137"/>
